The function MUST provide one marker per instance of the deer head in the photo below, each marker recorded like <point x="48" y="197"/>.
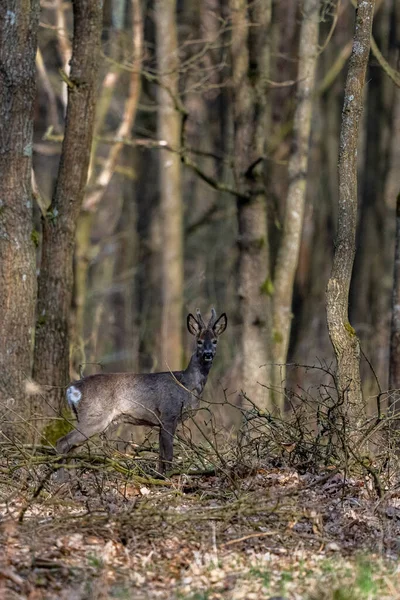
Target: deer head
<point x="206" y="335"/>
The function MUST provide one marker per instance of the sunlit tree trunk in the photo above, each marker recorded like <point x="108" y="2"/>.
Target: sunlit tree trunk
<point x="289" y="247"/>
<point x="169" y="128"/>
<point x="51" y="361"/>
<point x="250" y="70"/>
<point x="343" y="337"/>
<point x="18" y="41"/>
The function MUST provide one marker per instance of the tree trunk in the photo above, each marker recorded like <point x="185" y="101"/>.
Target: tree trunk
<point x="18" y="42"/>
<point x="289" y="247"/>
<point x="343" y="336"/>
<point x="250" y="68"/>
<point x="370" y="292"/>
<point x="99" y="184"/>
<point x="169" y="128"/>
<point x="394" y="359"/>
<point x="51" y="364"/>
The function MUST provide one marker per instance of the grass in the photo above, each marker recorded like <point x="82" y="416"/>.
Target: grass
<point x="365" y="578"/>
<point x="262" y="574"/>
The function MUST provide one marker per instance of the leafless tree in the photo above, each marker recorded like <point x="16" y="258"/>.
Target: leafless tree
<point x="394" y="364"/>
<point x="51" y="360"/>
<point x="343" y="337"/>
<point x="250" y="55"/>
<point x="171" y="211"/>
<point x="289" y="246"/>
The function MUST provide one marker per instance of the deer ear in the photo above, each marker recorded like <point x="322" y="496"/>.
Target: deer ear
<point x="220" y="325"/>
<point x="193" y="325"/>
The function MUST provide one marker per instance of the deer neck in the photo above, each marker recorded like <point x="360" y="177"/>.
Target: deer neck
<point x="195" y="375"/>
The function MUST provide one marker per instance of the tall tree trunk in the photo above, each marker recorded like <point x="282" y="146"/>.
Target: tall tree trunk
<point x="169" y="128"/>
<point x="390" y="193"/>
<point x="51" y="362"/>
<point x="18" y="42"/>
<point x="250" y="68"/>
<point x="99" y="183"/>
<point x="343" y="336"/>
<point x="289" y="247"/>
<point x="394" y="359"/>
<point x="370" y="292"/>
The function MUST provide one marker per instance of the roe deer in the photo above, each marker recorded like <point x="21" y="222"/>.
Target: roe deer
<point x="154" y="399"/>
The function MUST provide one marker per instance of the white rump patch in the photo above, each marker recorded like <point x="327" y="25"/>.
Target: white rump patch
<point x="73" y="395"/>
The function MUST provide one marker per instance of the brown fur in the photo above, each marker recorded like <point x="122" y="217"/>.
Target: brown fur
<point x="157" y="399"/>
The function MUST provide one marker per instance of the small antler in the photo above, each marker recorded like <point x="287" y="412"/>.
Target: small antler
<point x="213" y="318"/>
<point x="200" y="319"/>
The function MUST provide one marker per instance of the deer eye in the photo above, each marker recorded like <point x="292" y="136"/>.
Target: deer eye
<point x="199" y="343"/>
<point x="215" y="342"/>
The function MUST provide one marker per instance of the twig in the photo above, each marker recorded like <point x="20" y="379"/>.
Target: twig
<point x="8" y="574"/>
<point x="249" y="537"/>
<point x="93" y="199"/>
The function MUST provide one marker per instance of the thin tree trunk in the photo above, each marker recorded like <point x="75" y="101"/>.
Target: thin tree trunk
<point x="51" y="363"/>
<point x="289" y="247"/>
<point x="250" y="67"/>
<point x="394" y="359"/>
<point x="169" y="128"/>
<point x="99" y="187"/>
<point x="18" y="42"/>
<point x="343" y="336"/>
<point x="390" y="192"/>
<point x="127" y="336"/>
<point x="370" y="293"/>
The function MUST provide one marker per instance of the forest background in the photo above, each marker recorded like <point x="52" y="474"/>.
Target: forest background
<point x="211" y="180"/>
<point x="158" y="156"/>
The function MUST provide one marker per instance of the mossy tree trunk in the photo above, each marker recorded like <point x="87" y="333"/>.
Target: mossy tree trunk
<point x="18" y="43"/>
<point x="343" y="336"/>
<point x="250" y="55"/>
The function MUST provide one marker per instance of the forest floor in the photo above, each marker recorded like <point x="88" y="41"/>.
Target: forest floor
<point x="270" y="532"/>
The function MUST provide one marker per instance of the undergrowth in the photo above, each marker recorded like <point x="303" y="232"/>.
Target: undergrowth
<point x="300" y="507"/>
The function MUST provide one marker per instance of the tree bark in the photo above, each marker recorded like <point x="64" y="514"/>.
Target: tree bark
<point x="169" y="128"/>
<point x="18" y="42"/>
<point x="343" y="336"/>
<point x="250" y="72"/>
<point x="394" y="359"/>
<point x="370" y="292"/>
<point x="51" y="361"/>
<point x="288" y="252"/>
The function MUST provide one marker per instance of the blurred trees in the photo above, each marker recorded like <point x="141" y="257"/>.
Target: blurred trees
<point x="55" y="283"/>
<point x="394" y="364"/>
<point x="250" y="50"/>
<point x="206" y="114"/>
<point x="289" y="246"/>
<point x="171" y="207"/>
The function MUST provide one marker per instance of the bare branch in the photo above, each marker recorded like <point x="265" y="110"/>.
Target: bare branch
<point x="92" y="200"/>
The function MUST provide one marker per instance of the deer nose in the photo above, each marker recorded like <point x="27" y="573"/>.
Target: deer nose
<point x="207" y="355"/>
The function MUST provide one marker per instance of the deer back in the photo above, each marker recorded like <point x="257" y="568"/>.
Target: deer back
<point x="148" y="399"/>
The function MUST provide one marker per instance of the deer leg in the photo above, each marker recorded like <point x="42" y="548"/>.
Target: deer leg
<point x="77" y="437"/>
<point x="64" y="446"/>
<point x="167" y="432"/>
<point x="69" y="441"/>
